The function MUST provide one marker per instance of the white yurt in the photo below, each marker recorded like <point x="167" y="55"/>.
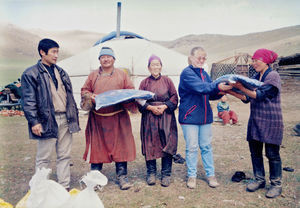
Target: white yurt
<point x="132" y="53"/>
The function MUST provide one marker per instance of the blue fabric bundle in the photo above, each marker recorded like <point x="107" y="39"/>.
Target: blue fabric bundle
<point x="113" y="97"/>
<point x="248" y="83"/>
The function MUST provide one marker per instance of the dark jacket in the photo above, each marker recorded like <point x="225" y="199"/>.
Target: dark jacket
<point x="195" y="90"/>
<point x="37" y="102"/>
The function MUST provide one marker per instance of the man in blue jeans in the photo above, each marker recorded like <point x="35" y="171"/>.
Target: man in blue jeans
<point x="195" y="115"/>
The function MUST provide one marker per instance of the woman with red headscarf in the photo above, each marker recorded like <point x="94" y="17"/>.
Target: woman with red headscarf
<point x="265" y="124"/>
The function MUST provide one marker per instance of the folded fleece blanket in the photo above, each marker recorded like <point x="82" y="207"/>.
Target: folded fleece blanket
<point x="248" y="83"/>
<point x="113" y="97"/>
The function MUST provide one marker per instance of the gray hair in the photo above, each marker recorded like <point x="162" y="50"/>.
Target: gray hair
<point x="198" y="48"/>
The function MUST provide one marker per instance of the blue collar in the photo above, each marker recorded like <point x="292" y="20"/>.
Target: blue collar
<point x="264" y="76"/>
<point x="192" y="67"/>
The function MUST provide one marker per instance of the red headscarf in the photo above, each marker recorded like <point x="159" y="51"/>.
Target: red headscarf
<point x="265" y="55"/>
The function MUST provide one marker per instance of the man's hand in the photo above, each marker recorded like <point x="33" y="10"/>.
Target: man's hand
<point x="93" y="97"/>
<point x="37" y="129"/>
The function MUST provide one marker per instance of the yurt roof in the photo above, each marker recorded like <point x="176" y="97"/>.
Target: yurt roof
<point x="132" y="54"/>
<point x="123" y="35"/>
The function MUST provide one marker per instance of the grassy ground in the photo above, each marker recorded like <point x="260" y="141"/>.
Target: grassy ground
<point x="231" y="153"/>
<point x="11" y="70"/>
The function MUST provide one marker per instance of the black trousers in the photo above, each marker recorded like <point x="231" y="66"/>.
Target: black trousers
<point x="272" y="153"/>
<point x="166" y="166"/>
<point x="121" y="167"/>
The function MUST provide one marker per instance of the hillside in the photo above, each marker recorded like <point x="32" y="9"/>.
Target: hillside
<point x="285" y="41"/>
<point x="17" y="43"/>
<point x="72" y="41"/>
<point x="18" y="47"/>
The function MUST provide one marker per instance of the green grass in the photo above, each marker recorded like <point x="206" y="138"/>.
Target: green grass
<point x="12" y="69"/>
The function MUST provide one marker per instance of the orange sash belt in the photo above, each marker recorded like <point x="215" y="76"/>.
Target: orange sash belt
<point x="108" y="114"/>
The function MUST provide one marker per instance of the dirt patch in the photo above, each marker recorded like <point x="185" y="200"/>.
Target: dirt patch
<point x="231" y="153"/>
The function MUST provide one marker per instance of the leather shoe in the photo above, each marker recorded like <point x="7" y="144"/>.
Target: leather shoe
<point x="123" y="183"/>
<point x="255" y="185"/>
<point x="166" y="181"/>
<point x="151" y="179"/>
<point x="274" y="191"/>
<point x="191" y="183"/>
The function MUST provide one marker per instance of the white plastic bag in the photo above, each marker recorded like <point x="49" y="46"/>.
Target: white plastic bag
<point x="88" y="197"/>
<point x="45" y="193"/>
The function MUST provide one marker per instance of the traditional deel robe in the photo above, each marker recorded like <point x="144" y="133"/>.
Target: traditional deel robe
<point x="108" y="132"/>
<point x="159" y="133"/>
<point x="265" y="121"/>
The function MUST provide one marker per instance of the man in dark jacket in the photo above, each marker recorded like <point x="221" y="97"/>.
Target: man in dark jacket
<point x="50" y="109"/>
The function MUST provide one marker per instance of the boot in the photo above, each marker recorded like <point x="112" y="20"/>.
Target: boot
<point x="275" y="178"/>
<point x="166" y="170"/>
<point x="151" y="179"/>
<point x="275" y="172"/>
<point x="151" y="172"/>
<point x="212" y="182"/>
<point x="124" y="183"/>
<point x="96" y="166"/>
<point x="274" y="191"/>
<point x="191" y="182"/>
<point x="121" y="170"/>
<point x="258" y="168"/>
<point x="255" y="185"/>
<point x="259" y="174"/>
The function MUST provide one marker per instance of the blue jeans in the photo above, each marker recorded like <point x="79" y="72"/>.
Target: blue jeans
<point x="198" y="136"/>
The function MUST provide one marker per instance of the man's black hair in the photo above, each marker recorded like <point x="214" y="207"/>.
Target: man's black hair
<point x="46" y="44"/>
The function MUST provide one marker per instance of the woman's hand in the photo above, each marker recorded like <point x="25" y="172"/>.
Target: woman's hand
<point x="237" y="85"/>
<point x="237" y="95"/>
<point x="153" y="109"/>
<point x="162" y="108"/>
<point x="224" y="87"/>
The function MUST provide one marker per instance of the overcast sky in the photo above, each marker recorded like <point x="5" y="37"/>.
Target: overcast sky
<point x="154" y="19"/>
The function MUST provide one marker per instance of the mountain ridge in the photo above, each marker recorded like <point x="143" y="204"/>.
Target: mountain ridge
<point x="18" y="43"/>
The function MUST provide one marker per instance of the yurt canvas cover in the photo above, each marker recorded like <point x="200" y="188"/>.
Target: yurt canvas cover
<point x="131" y="54"/>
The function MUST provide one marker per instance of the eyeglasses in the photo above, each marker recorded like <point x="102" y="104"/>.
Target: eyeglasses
<point x="202" y="57"/>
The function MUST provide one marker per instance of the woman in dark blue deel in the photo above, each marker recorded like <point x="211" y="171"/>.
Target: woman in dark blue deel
<point x="265" y="126"/>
